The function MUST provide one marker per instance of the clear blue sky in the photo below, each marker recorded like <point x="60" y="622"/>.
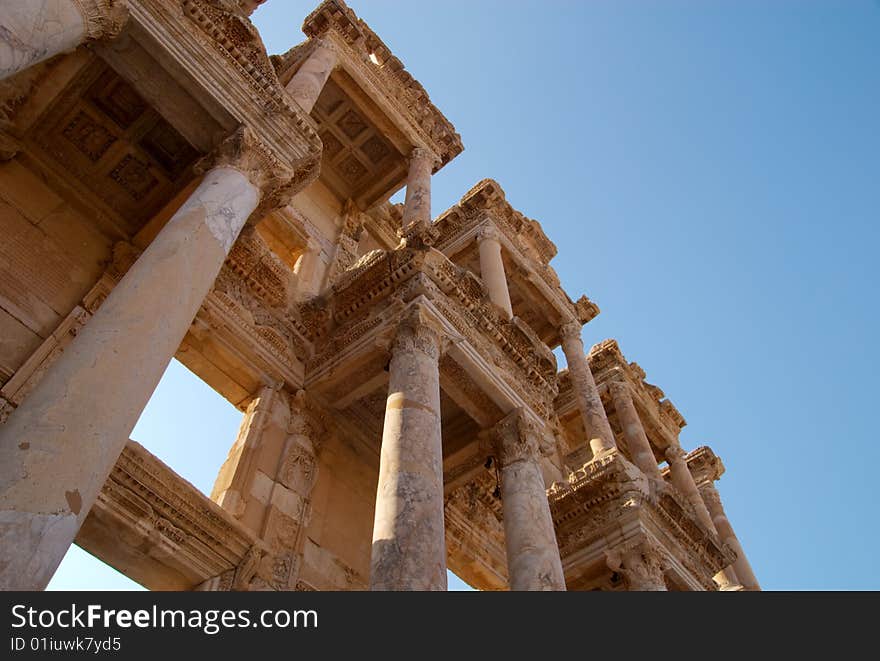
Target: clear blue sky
<point x="711" y="174"/>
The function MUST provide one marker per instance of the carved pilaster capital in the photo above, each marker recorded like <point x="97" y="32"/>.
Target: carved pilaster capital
<point x="571" y="331"/>
<point x="104" y="19"/>
<point x="244" y="151"/>
<point x="306" y="421"/>
<point x="674" y="453"/>
<point x="517" y="438"/>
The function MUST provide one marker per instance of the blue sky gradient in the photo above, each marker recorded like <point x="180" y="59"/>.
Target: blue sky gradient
<point x="709" y="171"/>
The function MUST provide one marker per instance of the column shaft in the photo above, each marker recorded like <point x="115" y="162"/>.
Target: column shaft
<point x="586" y="394"/>
<point x="417" y="205"/>
<point x="633" y="431"/>
<point x="308" y="271"/>
<point x="31" y="32"/>
<point x="533" y="561"/>
<point x="684" y="482"/>
<point x="409" y="544"/>
<point x="58" y="447"/>
<point x="742" y="567"/>
<point x="307" y="83"/>
<point x="492" y="270"/>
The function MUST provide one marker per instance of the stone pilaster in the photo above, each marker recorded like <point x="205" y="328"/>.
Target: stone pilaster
<point x="409" y="545"/>
<point x="684" y="482"/>
<point x="58" y="447"/>
<point x="417" y="206"/>
<point x="307" y="83"/>
<point x="633" y="431"/>
<point x="533" y="561"/>
<point x="741" y="566"/>
<point x="641" y="564"/>
<point x="33" y="31"/>
<point x="492" y="269"/>
<point x="584" y="387"/>
<point x="289" y="509"/>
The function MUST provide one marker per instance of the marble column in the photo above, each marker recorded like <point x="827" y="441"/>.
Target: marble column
<point x="417" y="205"/>
<point x="308" y="271"/>
<point x="586" y="394"/>
<point x="533" y="561"/>
<point x="642" y="567"/>
<point x="409" y="543"/>
<point x="684" y="482"/>
<point x="307" y="83"/>
<point x="59" y="446"/>
<point x="492" y="269"/>
<point x="33" y="31"/>
<point x="742" y="567"/>
<point x="633" y="431"/>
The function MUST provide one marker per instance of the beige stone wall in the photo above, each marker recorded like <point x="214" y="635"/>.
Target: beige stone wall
<point x="341" y="526"/>
<point x="50" y="256"/>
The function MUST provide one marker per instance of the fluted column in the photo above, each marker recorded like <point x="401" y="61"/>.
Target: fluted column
<point x="633" y="431"/>
<point x="35" y="30"/>
<point x="417" y="205"/>
<point x="58" y="447"/>
<point x="492" y="269"/>
<point x="641" y="564"/>
<point x="307" y="83"/>
<point x="533" y="561"/>
<point x="684" y="482"/>
<point x="742" y="567"/>
<point x="586" y="394"/>
<point x="409" y="543"/>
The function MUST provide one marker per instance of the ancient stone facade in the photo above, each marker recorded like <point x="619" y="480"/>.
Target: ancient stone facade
<point x="167" y="189"/>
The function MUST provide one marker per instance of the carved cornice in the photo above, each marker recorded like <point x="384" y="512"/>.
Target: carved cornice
<point x="705" y="465"/>
<point x="377" y="67"/>
<point x="593" y="501"/>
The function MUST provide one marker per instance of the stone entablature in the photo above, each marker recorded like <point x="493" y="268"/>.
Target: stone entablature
<point x="608" y="503"/>
<point x="377" y="71"/>
<point x="161" y="529"/>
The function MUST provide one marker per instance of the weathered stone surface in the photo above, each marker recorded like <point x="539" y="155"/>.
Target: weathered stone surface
<point x="171" y="190"/>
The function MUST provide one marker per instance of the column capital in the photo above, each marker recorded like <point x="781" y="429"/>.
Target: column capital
<point x="488" y="232"/>
<point x="103" y="19"/>
<point x="517" y="438"/>
<point x="424" y="154"/>
<point x="243" y="150"/>
<point x="306" y="420"/>
<point x="571" y="330"/>
<point x="641" y="563"/>
<point x="619" y="389"/>
<point x="416" y="332"/>
<point x="675" y="453"/>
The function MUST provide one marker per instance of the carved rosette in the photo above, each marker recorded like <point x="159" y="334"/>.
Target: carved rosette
<point x="517" y="439"/>
<point x="104" y="19"/>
